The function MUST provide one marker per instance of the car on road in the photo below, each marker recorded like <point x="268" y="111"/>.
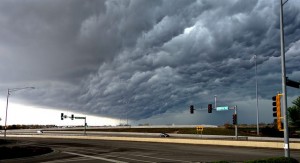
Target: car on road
<point x="39" y="131"/>
<point x="164" y="135"/>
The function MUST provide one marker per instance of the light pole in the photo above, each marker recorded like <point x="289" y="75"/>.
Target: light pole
<point x="253" y="59"/>
<point x="257" y="111"/>
<point x="8" y="93"/>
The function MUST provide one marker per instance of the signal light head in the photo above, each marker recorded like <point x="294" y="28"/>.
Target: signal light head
<point x="209" y="108"/>
<point x="192" y="109"/>
<point x="234" y="119"/>
<point x="277" y="110"/>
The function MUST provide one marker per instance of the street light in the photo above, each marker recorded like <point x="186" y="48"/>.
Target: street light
<point x="8" y="93"/>
<point x="257" y="111"/>
<point x="256" y="90"/>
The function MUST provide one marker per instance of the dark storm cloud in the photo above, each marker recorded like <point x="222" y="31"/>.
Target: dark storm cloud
<point x="41" y="40"/>
<point x="146" y="58"/>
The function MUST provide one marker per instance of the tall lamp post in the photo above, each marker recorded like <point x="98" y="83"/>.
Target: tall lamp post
<point x="257" y="111"/>
<point x="8" y="93"/>
<point x="253" y="59"/>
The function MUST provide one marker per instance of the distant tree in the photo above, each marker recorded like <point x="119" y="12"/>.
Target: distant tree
<point x="294" y="113"/>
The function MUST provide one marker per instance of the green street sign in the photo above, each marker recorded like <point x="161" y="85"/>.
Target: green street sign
<point x="222" y="108"/>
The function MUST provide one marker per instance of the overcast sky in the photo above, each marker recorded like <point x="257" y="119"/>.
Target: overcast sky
<point x="148" y="59"/>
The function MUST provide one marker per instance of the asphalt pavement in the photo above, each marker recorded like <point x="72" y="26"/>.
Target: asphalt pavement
<point x="91" y="150"/>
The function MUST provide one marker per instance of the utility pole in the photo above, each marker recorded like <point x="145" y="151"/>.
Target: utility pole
<point x="284" y="95"/>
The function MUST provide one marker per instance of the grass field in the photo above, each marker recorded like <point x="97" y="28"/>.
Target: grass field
<point x="206" y="131"/>
<point x="242" y="131"/>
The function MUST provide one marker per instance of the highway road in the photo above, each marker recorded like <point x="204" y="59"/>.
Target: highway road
<point x="90" y="151"/>
<point x="136" y="134"/>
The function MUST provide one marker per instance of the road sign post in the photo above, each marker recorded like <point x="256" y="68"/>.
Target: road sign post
<point x="199" y="128"/>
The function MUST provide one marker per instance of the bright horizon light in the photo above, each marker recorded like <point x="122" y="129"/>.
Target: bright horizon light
<point x="20" y="114"/>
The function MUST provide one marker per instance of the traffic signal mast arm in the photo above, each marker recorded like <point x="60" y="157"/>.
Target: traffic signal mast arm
<point x="72" y="117"/>
<point x="292" y="83"/>
<point x="80" y="117"/>
<point x="62" y="116"/>
<point x="209" y="108"/>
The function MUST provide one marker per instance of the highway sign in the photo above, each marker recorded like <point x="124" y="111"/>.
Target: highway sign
<point x="222" y="108"/>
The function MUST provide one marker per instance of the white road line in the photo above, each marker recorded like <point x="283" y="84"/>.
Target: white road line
<point x="69" y="160"/>
<point x="128" y="158"/>
<point x="163" y="158"/>
<point x="95" y="157"/>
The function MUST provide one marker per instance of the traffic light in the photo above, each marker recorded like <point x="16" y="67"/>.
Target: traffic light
<point x="277" y="110"/>
<point x="209" y="108"/>
<point x="234" y="119"/>
<point x="62" y="116"/>
<point x="192" y="109"/>
<point x="72" y="116"/>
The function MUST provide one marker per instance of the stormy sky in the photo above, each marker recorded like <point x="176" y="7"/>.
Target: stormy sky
<point x="148" y="59"/>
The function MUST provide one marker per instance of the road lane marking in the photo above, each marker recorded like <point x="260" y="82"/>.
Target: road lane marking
<point x="159" y="158"/>
<point x="128" y="158"/>
<point x="69" y="160"/>
<point x="95" y="157"/>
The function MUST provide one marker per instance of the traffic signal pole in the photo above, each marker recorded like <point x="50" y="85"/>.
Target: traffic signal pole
<point x="236" y="125"/>
<point x="84" y="131"/>
<point x="72" y="117"/>
<point x="284" y="95"/>
<point x="215" y="101"/>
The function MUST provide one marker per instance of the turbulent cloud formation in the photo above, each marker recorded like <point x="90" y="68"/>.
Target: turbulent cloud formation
<point x="146" y="59"/>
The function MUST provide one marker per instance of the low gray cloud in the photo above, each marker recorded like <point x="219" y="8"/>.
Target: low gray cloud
<point x="147" y="59"/>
